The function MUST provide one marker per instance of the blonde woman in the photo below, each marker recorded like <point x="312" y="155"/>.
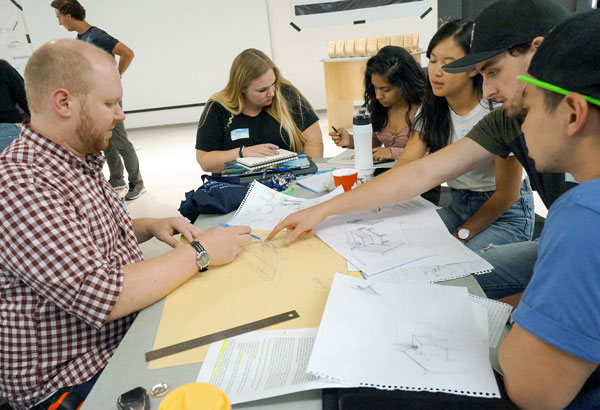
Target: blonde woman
<point x="256" y="113"/>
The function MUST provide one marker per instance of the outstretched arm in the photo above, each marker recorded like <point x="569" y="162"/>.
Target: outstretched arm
<point x="397" y="184"/>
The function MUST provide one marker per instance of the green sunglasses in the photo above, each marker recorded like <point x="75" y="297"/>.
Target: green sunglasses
<point x="555" y="88"/>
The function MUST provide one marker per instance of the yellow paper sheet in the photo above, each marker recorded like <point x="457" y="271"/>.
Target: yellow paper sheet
<point x="267" y="278"/>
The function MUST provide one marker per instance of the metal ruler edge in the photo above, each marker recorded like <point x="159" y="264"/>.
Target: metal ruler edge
<point x="224" y="334"/>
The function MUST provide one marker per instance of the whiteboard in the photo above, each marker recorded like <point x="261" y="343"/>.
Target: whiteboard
<point x="183" y="48"/>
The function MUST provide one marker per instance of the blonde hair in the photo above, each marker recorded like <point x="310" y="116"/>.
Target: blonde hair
<point x="246" y="67"/>
<point x="60" y="64"/>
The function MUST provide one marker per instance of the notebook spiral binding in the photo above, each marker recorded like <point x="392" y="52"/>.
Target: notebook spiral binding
<point x="244" y="200"/>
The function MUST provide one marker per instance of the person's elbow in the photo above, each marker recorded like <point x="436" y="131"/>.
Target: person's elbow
<point x="539" y="399"/>
<point x="525" y="388"/>
<point x="205" y="162"/>
<point x="314" y="150"/>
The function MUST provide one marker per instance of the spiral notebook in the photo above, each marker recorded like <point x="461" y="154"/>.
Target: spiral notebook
<point x="256" y="162"/>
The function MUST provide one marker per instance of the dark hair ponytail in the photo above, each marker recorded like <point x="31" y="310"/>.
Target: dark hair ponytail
<point x="434" y="118"/>
<point x="402" y="71"/>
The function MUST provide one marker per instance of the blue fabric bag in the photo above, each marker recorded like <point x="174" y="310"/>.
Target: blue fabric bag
<point x="215" y="196"/>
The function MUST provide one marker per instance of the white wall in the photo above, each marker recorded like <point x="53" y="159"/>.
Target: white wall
<point x="298" y="54"/>
<point x="183" y="48"/>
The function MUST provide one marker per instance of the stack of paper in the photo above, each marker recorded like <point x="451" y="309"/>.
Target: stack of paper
<point x="417" y="337"/>
<point x="399" y="241"/>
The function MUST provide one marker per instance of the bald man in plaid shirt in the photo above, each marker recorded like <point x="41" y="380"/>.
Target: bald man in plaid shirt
<point x="72" y="275"/>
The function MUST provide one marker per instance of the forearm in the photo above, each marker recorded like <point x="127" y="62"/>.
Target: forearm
<point x="491" y="210"/>
<point x="142" y="229"/>
<point x="314" y="149"/>
<point x="213" y="161"/>
<point x="124" y="63"/>
<point x="148" y="281"/>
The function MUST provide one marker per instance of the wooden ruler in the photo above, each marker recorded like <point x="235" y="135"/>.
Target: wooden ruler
<point x="224" y="334"/>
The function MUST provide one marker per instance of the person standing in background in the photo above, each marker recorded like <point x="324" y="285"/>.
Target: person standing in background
<point x="13" y="104"/>
<point x="71" y="15"/>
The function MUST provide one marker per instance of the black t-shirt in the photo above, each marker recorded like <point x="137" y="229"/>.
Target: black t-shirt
<point x="501" y="135"/>
<point x="99" y="38"/>
<point x="12" y="93"/>
<point x="221" y="131"/>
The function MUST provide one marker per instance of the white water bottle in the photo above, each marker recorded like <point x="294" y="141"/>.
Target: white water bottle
<point x="363" y="144"/>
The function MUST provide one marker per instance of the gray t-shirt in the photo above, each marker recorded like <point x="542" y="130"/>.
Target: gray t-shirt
<point x="502" y="136"/>
<point x="482" y="179"/>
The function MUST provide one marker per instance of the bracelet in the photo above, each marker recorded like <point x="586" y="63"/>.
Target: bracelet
<point x="241" y="153"/>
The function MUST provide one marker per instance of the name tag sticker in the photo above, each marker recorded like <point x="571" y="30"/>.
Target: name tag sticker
<point x="240" y="133"/>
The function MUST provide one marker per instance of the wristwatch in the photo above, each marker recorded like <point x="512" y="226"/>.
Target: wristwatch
<point x="241" y="152"/>
<point x="464" y="233"/>
<point x="202" y="258"/>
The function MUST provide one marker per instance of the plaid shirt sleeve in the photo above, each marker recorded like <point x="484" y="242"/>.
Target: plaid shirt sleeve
<point x="51" y="248"/>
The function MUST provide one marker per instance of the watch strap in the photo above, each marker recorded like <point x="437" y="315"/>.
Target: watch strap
<point x="241" y="152"/>
<point x="199" y="249"/>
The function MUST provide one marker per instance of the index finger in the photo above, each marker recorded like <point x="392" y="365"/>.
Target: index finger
<point x="277" y="229"/>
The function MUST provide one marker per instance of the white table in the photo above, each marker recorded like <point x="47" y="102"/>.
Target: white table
<point x="128" y="369"/>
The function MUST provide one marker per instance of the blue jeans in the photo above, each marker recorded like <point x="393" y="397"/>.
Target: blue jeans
<point x="513" y="268"/>
<point x="514" y="225"/>
<point x="8" y="133"/>
<point x="82" y="390"/>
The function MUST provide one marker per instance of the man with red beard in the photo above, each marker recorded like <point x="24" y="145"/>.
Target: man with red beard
<point x="72" y="275"/>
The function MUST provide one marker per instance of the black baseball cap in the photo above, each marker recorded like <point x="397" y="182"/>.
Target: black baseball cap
<point x="505" y="24"/>
<point x="567" y="61"/>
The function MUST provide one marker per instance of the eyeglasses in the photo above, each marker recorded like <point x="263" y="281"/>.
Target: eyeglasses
<point x="555" y="88"/>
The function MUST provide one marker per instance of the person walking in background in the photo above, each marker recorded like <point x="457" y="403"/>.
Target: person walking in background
<point x="71" y="15"/>
<point x="13" y="104"/>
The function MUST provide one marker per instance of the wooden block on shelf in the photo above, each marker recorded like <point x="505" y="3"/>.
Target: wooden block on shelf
<point x="383" y="41"/>
<point x="415" y="41"/>
<point x="339" y="48"/>
<point x="397" y="40"/>
<point x="371" y="46"/>
<point x="349" y="48"/>
<point x="408" y="42"/>
<point x="360" y="47"/>
<point x="331" y="49"/>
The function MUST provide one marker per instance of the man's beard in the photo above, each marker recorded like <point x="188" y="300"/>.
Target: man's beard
<point x="90" y="134"/>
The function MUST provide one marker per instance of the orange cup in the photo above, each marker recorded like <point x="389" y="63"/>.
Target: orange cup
<point x="346" y="177"/>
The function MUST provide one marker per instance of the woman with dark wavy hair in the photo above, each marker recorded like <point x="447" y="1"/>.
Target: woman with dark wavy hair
<point x="494" y="203"/>
<point x="394" y="86"/>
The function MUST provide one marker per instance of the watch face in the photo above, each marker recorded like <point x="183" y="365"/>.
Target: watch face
<point x="203" y="259"/>
<point x="463" y="233"/>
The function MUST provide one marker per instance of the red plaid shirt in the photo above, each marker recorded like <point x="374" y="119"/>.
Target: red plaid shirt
<point x="64" y="237"/>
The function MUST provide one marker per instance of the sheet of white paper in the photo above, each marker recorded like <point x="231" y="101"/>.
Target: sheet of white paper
<point x="316" y="183"/>
<point x="263" y="208"/>
<point x="262" y="364"/>
<point x="480" y="313"/>
<point x="402" y="337"/>
<point x="345" y="157"/>
<point x="497" y="313"/>
<point x="430" y="274"/>
<point x="379" y="239"/>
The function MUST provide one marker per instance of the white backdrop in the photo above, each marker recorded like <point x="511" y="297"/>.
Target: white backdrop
<point x="183" y="48"/>
<point x="14" y="47"/>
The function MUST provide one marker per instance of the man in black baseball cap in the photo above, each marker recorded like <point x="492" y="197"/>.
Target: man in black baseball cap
<point x="498" y="134"/>
<point x="550" y="357"/>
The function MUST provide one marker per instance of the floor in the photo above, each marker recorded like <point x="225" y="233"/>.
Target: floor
<point x="169" y="168"/>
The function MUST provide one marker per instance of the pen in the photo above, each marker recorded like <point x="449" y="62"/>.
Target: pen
<point x="223" y="224"/>
<point x="334" y="129"/>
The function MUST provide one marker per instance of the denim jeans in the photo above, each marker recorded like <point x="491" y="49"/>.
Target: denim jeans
<point x="514" y="225"/>
<point x="513" y="268"/>
<point x="8" y="133"/>
<point x="82" y="390"/>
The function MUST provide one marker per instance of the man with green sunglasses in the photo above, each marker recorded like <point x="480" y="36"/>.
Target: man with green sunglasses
<point x="550" y="357"/>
